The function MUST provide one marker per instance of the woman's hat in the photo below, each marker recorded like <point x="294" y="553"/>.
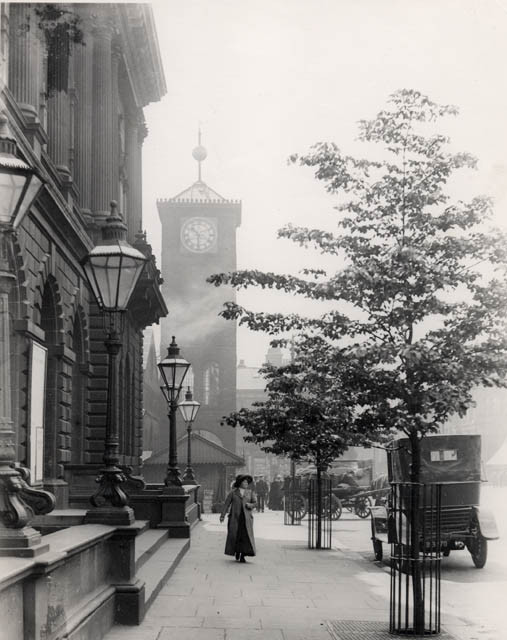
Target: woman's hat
<point x="241" y="477"/>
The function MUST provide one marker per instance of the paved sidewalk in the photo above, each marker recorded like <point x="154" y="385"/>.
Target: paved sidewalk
<point x="286" y="592"/>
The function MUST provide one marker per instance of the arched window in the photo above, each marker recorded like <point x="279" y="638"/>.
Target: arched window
<point x="78" y="394"/>
<point x="48" y="324"/>
<point x="188" y="381"/>
<point x="211" y="384"/>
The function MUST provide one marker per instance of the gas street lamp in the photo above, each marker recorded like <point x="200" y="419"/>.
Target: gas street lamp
<point x="19" y="186"/>
<point x="173" y="369"/>
<point x="19" y="183"/>
<point x="189" y="408"/>
<point x="112" y="269"/>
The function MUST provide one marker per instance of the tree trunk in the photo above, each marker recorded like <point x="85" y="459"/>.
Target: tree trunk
<point x="292" y="490"/>
<point x="414" y="523"/>
<point x="319" y="507"/>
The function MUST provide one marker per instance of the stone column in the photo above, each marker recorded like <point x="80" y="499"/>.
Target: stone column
<point x="58" y="127"/>
<point x="135" y="134"/>
<point x="25" y="59"/>
<point x="4" y="43"/>
<point x="101" y="133"/>
<point x="7" y="443"/>
<point x="83" y="57"/>
<point x="115" y="129"/>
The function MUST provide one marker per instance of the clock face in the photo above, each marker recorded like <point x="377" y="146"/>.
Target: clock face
<point x="199" y="234"/>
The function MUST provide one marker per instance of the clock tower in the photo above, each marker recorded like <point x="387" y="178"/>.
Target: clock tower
<point x="199" y="239"/>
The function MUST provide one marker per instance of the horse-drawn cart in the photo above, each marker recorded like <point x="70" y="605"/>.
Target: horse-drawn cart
<point x="355" y="499"/>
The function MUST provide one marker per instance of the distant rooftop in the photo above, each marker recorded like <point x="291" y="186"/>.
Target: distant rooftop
<point x="249" y="378"/>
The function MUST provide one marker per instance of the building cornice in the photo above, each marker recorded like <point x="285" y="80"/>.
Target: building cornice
<point x="141" y="53"/>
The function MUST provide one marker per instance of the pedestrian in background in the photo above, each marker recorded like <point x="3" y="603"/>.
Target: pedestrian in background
<point x="261" y="489"/>
<point x="240" y="503"/>
<point x="275" y="502"/>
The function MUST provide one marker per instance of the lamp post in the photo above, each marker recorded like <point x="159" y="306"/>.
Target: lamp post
<point x="189" y="408"/>
<point x="173" y="369"/>
<point x="19" y="186"/>
<point x="112" y="270"/>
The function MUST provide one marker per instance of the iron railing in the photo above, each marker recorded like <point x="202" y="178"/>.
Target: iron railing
<point x="415" y="533"/>
<point x="319" y="513"/>
<point x="294" y="501"/>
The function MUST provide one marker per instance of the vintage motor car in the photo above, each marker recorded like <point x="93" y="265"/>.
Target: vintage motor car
<point x="454" y="462"/>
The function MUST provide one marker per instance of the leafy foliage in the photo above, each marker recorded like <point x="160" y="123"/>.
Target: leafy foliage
<point x="306" y="414"/>
<point x="429" y="320"/>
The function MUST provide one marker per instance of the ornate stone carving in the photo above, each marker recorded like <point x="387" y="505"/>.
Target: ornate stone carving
<point x="132" y="482"/>
<point x="22" y="501"/>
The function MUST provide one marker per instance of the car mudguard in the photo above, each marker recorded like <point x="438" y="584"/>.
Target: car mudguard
<point x="487" y="523"/>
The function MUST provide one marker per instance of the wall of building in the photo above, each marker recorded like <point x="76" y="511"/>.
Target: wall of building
<point x="78" y="120"/>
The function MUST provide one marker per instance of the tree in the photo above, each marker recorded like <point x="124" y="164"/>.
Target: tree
<point x="306" y="414"/>
<point x="429" y="320"/>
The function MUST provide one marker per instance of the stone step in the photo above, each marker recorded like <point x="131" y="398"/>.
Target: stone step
<point x="147" y="544"/>
<point x="159" y="566"/>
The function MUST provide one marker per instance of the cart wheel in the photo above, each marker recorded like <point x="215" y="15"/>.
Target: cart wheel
<point x="446" y="552"/>
<point x="362" y="507"/>
<point x="336" y="508"/>
<point x="479" y="551"/>
<point x="297" y="506"/>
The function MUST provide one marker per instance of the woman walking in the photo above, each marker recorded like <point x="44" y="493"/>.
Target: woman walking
<point x="240" y="502"/>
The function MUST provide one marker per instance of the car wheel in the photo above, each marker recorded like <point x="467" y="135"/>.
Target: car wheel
<point x="377" y="550"/>
<point x="479" y="551"/>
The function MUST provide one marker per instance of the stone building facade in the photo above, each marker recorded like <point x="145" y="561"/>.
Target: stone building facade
<point x="75" y="79"/>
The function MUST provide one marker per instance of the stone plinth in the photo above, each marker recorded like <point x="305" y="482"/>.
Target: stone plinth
<point x="163" y="509"/>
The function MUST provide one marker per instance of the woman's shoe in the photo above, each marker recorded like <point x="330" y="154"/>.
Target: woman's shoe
<point x="237" y="556"/>
<point x="242" y="558"/>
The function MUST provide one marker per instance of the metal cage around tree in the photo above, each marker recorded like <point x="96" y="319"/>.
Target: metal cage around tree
<point x="414" y="524"/>
<point x="320" y="500"/>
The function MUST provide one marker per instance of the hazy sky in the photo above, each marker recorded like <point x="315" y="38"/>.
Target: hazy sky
<point x="268" y="78"/>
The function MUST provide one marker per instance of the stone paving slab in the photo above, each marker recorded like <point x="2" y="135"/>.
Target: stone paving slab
<point x="223" y="622"/>
<point x="240" y="610"/>
<point x="254" y="634"/>
<point x="312" y="633"/>
<point x="190" y="634"/>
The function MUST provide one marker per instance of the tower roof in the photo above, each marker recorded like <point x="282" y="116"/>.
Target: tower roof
<point x="199" y="192"/>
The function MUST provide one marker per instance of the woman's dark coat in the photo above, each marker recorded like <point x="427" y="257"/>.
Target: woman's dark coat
<point x="236" y="504"/>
